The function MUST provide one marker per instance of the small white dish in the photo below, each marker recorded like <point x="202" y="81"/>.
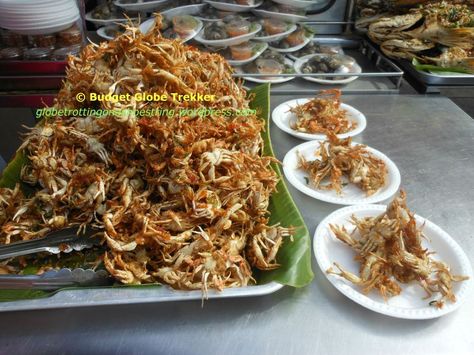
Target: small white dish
<point x="259" y="49"/>
<point x="141" y="6"/>
<point x="270" y="79"/>
<point x="284" y="120"/>
<point x="278" y="36"/>
<point x="148" y="24"/>
<point x="410" y="304"/>
<point x="351" y="194"/>
<point x="292" y="49"/>
<point x="355" y="69"/>
<point x="279" y="15"/>
<point x="223" y="6"/>
<point x="102" y="32"/>
<point x="232" y="41"/>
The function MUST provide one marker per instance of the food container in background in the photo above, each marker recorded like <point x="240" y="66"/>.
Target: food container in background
<point x="71" y="36"/>
<point x="36" y="53"/>
<point x="12" y="39"/>
<point x="296" y="38"/>
<point x="11" y="53"/>
<point x="274" y="26"/>
<point x="268" y="66"/>
<point x="184" y="25"/>
<point x="242" y="51"/>
<point x="62" y="54"/>
<point x="237" y="28"/>
<point x="43" y="41"/>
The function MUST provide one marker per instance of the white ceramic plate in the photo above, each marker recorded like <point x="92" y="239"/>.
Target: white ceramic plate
<point x="300" y="61"/>
<point x="351" y="194"/>
<point x="271" y="80"/>
<point x="279" y="16"/>
<point x="260" y="48"/>
<point x="283" y="118"/>
<point x="142" y="6"/>
<point x="292" y="49"/>
<point x="146" y="26"/>
<point x="300" y="4"/>
<point x="228" y="41"/>
<point x="278" y="36"/>
<point x="233" y="7"/>
<point x="410" y="303"/>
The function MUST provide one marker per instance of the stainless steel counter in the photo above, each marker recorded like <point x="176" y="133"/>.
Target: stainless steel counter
<point x="432" y="142"/>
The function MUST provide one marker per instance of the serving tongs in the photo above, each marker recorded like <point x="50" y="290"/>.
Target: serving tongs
<point x="56" y="279"/>
<point x="65" y="240"/>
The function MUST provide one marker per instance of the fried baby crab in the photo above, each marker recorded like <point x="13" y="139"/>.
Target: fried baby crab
<point x="339" y="159"/>
<point x="390" y="252"/>
<point x="322" y="114"/>
<point x="180" y="199"/>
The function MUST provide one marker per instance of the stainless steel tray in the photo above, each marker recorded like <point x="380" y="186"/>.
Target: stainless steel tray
<point x="379" y="74"/>
<point x="437" y="80"/>
<point x="130" y="295"/>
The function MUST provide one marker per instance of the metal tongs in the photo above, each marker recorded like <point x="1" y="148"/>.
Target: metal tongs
<point x="65" y="240"/>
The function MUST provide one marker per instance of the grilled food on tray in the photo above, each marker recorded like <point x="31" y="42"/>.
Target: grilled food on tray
<point x="181" y="198"/>
<point x="390" y="251"/>
<point x="439" y="34"/>
<point x="341" y="162"/>
<point x="322" y="114"/>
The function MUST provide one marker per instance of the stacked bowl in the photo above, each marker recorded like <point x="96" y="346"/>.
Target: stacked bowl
<point x="37" y="17"/>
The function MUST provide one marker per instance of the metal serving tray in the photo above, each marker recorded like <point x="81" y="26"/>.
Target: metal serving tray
<point x="379" y="74"/>
<point x="131" y="295"/>
<point x="435" y="79"/>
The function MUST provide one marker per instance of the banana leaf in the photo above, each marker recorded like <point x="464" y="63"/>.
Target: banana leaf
<point x="434" y="69"/>
<point x="294" y="255"/>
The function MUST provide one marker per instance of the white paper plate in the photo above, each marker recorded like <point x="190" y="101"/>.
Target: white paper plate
<point x="228" y="41"/>
<point x="184" y="10"/>
<point x="271" y="80"/>
<point x="146" y="26"/>
<point x="351" y="194"/>
<point x="40" y="22"/>
<point x="292" y="49"/>
<point x="300" y="4"/>
<point x="46" y="11"/>
<point x="278" y="36"/>
<point x="261" y="47"/>
<point x="141" y="6"/>
<point x="300" y="61"/>
<point x="293" y="57"/>
<point x="279" y="16"/>
<point x="101" y="32"/>
<point x="232" y="7"/>
<point x="283" y="118"/>
<point x="410" y="303"/>
<point x="46" y="30"/>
